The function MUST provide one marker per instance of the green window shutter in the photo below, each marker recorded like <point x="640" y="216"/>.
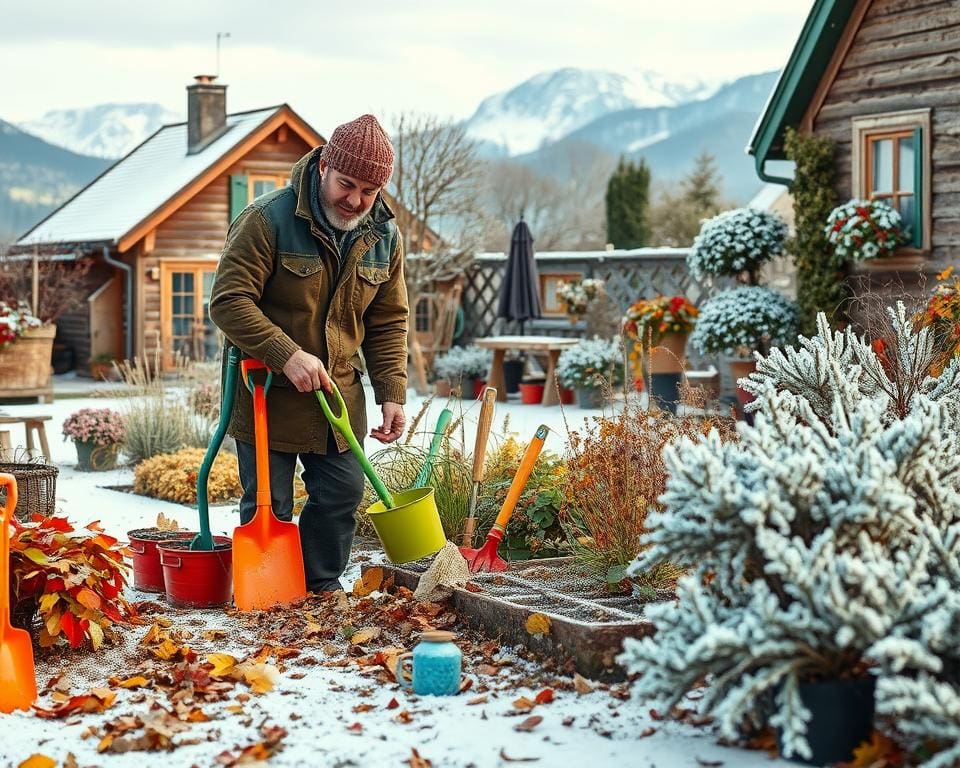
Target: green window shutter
<point x="238" y="195"/>
<point x="917" y="240"/>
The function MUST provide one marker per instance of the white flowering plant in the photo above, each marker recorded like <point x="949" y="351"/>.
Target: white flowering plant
<point x="100" y="426"/>
<point x="470" y="362"/>
<point x="591" y="363"/>
<point x="737" y="241"/>
<point x="576" y="295"/>
<point x="823" y="545"/>
<point x="740" y="320"/>
<point x="14" y="322"/>
<point x="864" y="229"/>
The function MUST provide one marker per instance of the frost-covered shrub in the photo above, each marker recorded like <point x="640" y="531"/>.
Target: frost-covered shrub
<point x="736" y="241"/>
<point x="591" y="363"/>
<point x="463" y="363"/>
<point x="739" y="320"/>
<point x="826" y="540"/>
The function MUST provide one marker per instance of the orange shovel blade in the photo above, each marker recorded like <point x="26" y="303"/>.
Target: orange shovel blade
<point x="18" y="682"/>
<point x="267" y="563"/>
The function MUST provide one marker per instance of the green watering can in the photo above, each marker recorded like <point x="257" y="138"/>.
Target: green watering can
<point x="203" y="541"/>
<point x="408" y="523"/>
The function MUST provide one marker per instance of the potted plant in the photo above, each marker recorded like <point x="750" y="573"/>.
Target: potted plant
<point x="860" y="230"/>
<point x="589" y="367"/>
<point x="465" y="368"/>
<point x="658" y="329"/>
<point x="577" y="295"/>
<point x="102" y="368"/>
<point x="26" y="349"/>
<point x="740" y="321"/>
<point x="815" y="550"/>
<point x="54" y="288"/>
<point x="737" y="244"/>
<point x="97" y="434"/>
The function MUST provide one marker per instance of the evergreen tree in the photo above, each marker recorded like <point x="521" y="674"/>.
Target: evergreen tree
<point x="701" y="189"/>
<point x="627" y="200"/>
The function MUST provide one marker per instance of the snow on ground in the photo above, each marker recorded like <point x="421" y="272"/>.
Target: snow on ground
<point x="316" y="703"/>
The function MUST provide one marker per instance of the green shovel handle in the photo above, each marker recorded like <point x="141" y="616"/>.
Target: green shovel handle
<point x="445" y="415"/>
<point x="342" y="425"/>
<point x="203" y="541"/>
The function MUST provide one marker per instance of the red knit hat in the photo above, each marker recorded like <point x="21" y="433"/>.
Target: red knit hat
<point x="361" y="149"/>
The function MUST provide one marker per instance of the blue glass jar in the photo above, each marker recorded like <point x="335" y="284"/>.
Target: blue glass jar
<point x="435" y="664"/>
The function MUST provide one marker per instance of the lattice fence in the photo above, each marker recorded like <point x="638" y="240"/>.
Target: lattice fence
<point x="629" y="276"/>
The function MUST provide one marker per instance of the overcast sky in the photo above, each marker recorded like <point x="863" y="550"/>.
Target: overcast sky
<point x="331" y="62"/>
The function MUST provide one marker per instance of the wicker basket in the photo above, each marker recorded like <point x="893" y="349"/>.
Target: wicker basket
<point x="36" y="488"/>
<point x="25" y="364"/>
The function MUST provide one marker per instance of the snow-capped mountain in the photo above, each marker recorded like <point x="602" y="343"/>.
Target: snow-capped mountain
<point x="551" y="105"/>
<point x="106" y="130"/>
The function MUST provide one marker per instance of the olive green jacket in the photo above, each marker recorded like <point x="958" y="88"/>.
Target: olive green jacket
<point x="282" y="285"/>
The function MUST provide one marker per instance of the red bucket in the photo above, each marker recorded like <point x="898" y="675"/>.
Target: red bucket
<point x="147" y="573"/>
<point x="531" y="393"/>
<point x="568" y="396"/>
<point x="198" y="578"/>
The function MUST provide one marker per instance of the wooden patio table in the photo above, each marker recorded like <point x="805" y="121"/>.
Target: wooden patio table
<point x="551" y="346"/>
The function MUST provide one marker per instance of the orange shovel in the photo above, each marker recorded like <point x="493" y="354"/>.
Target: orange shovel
<point x="486" y="558"/>
<point x="267" y="557"/>
<point x="18" y="679"/>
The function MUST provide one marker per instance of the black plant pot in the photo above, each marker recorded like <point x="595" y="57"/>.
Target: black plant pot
<point x="665" y="390"/>
<point x="512" y="375"/>
<point x="841" y="718"/>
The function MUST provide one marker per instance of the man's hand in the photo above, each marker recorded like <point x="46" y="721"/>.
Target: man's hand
<point x="307" y="373"/>
<point x="393" y="423"/>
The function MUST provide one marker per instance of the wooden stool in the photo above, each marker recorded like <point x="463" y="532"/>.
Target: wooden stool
<point x="31" y="424"/>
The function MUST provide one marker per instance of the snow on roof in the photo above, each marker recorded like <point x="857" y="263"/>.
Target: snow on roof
<point x="135" y="186"/>
<point x="767" y="196"/>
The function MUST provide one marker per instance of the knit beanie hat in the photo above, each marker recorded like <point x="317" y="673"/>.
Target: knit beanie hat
<point x="360" y="149"/>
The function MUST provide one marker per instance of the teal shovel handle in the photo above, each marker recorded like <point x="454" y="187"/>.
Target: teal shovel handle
<point x="342" y="425"/>
<point x="424" y="475"/>
<point x="203" y="541"/>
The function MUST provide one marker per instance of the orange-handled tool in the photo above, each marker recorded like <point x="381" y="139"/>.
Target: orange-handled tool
<point x="18" y="678"/>
<point x="486" y="558"/>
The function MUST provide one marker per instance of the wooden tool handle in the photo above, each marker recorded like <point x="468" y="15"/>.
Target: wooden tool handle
<point x="483" y="432"/>
<point x="520" y="480"/>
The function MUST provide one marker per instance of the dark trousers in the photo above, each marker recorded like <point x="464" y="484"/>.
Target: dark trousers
<point x="334" y="483"/>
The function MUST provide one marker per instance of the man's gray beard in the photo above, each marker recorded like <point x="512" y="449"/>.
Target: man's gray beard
<point x="336" y="220"/>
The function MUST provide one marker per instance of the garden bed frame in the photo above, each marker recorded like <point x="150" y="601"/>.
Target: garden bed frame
<point x="586" y="630"/>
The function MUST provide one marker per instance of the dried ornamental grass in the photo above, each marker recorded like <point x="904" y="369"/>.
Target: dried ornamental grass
<point x="173" y="477"/>
<point x="615" y="476"/>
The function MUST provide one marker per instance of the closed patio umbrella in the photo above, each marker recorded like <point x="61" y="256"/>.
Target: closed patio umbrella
<point x="520" y="289"/>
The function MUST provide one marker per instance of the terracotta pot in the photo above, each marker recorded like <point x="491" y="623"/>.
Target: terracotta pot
<point x="667" y="355"/>
<point x="442" y="387"/>
<point x="739" y="369"/>
<point x="531" y="392"/>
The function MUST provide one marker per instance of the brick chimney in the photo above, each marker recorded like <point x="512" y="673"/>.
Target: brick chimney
<point x="206" y="112"/>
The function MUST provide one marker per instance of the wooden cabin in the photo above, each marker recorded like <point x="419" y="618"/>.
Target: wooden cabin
<point x="881" y="78"/>
<point x="154" y="224"/>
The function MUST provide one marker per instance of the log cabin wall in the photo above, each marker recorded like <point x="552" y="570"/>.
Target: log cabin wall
<point x="196" y="231"/>
<point x="73" y="328"/>
<point x="904" y="55"/>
